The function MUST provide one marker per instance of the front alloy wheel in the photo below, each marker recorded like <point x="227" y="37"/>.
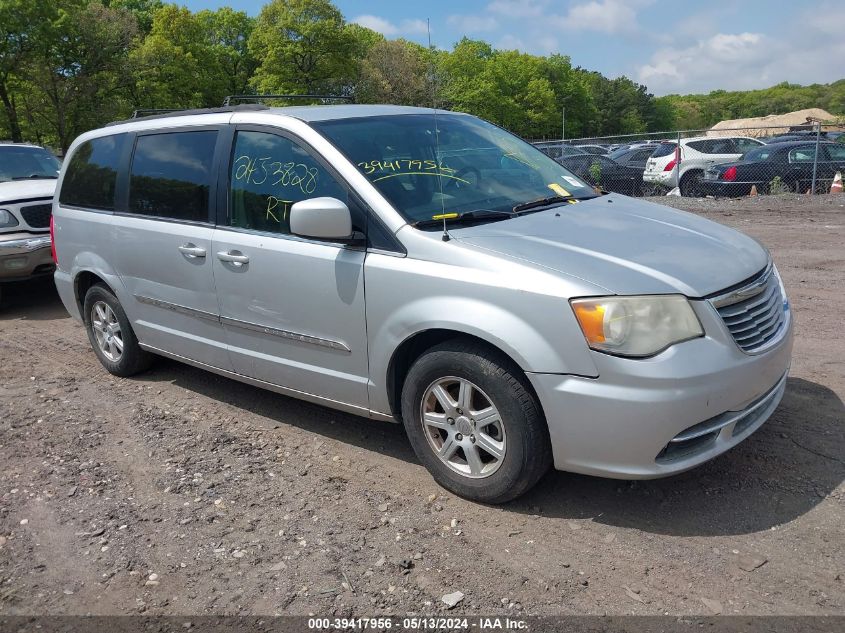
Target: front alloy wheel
<point x="474" y="421"/>
<point x="463" y="427"/>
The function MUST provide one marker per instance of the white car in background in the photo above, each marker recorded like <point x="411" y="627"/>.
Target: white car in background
<point x="669" y="169"/>
<point x="28" y="176"/>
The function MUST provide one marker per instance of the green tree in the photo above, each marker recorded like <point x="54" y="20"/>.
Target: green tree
<point x="303" y="47"/>
<point x="143" y="10"/>
<point x="24" y="26"/>
<point x="464" y="85"/>
<point x="78" y="73"/>
<point x="174" y="67"/>
<point x="572" y="93"/>
<point x="226" y="32"/>
<point x="394" y="71"/>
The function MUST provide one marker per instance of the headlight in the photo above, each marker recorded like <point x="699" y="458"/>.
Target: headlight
<point x="636" y="326"/>
<point x="7" y="220"/>
<point x="783" y="296"/>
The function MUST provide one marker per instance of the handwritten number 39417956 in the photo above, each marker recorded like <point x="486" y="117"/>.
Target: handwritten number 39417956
<point x="259" y="171"/>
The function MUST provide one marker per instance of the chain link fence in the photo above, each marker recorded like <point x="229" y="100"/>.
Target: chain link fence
<point x="725" y="162"/>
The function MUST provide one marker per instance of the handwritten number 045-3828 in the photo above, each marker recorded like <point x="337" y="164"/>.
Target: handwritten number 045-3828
<point x="259" y="171"/>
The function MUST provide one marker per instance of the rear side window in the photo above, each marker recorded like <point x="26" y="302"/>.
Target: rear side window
<point x="714" y="146"/>
<point x="91" y="174"/>
<point x="805" y="154"/>
<point x="746" y="144"/>
<point x="171" y="175"/>
<point x="664" y="149"/>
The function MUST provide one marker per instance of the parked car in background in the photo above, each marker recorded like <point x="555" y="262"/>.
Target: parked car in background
<point x="802" y="135"/>
<point x="558" y="150"/>
<point x="634" y="156"/>
<point x="598" y="150"/>
<point x="602" y="172"/>
<point x="28" y="176"/>
<point x="776" y="168"/>
<point x="672" y="167"/>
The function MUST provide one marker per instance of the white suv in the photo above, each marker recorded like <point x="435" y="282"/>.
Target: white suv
<point x="667" y="168"/>
<point x="28" y="176"/>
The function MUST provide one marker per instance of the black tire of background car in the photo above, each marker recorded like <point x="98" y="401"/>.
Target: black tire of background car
<point x="528" y="454"/>
<point x="690" y="183"/>
<point x="133" y="360"/>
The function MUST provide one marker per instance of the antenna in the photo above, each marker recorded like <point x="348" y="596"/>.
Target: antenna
<point x="443" y="213"/>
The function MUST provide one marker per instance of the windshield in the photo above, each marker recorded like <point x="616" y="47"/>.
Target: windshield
<point x="479" y="166"/>
<point x="19" y="162"/>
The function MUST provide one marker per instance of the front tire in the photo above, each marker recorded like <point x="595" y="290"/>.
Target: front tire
<point x="474" y="422"/>
<point x="110" y="334"/>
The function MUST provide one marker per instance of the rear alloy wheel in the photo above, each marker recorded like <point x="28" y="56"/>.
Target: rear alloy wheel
<point x="111" y="335"/>
<point x="474" y="422"/>
<point x="107" y="332"/>
<point x="691" y="184"/>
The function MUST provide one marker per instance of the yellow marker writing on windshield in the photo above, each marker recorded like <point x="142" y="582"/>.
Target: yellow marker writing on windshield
<point x="444" y="216"/>
<point x="558" y="189"/>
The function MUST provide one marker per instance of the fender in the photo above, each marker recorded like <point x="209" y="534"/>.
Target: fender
<point x="522" y="341"/>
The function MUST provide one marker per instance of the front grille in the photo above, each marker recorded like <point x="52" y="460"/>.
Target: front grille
<point x="754" y="314"/>
<point x="37" y="215"/>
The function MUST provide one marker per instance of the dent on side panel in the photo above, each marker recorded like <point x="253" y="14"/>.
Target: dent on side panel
<point x="506" y="308"/>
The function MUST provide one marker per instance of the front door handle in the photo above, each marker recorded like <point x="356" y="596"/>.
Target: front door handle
<point x="234" y="257"/>
<point x="192" y="250"/>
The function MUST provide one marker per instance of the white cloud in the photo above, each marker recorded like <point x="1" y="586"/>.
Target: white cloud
<point x="608" y="16"/>
<point x="604" y="16"/>
<point x="473" y="23"/>
<point x="416" y="27"/>
<point x="743" y="61"/>
<point x="510" y="43"/>
<point x="518" y="8"/>
<point x="388" y="28"/>
<point x="374" y="22"/>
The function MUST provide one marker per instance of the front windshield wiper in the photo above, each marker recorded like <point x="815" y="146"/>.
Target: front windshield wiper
<point x="542" y="202"/>
<point x="34" y="177"/>
<point x="466" y="216"/>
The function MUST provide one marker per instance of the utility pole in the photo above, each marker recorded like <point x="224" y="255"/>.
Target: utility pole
<point x="563" y="126"/>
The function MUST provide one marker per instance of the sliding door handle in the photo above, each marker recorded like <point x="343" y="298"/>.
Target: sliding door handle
<point x="233" y="257"/>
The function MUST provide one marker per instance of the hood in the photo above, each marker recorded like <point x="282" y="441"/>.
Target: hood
<point x="626" y="246"/>
<point x="27" y="189"/>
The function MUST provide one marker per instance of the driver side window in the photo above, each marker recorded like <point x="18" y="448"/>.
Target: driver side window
<point x="269" y="174"/>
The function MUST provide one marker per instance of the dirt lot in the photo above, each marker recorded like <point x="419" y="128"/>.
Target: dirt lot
<point x="179" y="492"/>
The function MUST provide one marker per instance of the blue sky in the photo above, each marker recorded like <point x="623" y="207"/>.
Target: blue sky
<point x="669" y="45"/>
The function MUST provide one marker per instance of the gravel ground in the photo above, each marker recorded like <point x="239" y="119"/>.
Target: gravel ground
<point x="179" y="492"/>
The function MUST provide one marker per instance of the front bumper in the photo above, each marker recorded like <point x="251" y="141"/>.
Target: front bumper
<point x="705" y="394"/>
<point x="24" y="255"/>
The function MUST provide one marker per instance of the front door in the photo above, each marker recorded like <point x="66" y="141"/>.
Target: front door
<point x="292" y="308"/>
<point x="162" y="245"/>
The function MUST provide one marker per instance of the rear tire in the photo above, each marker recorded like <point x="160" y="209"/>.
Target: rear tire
<point x="110" y="334"/>
<point x="691" y="184"/>
<point x="490" y="432"/>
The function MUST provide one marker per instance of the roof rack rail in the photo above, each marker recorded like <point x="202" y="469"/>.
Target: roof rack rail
<point x="151" y="111"/>
<point x="228" y="100"/>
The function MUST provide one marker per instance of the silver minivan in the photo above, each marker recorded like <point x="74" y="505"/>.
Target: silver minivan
<point x="425" y="267"/>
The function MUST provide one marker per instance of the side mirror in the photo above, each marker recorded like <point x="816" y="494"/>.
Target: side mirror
<point x="321" y="218"/>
